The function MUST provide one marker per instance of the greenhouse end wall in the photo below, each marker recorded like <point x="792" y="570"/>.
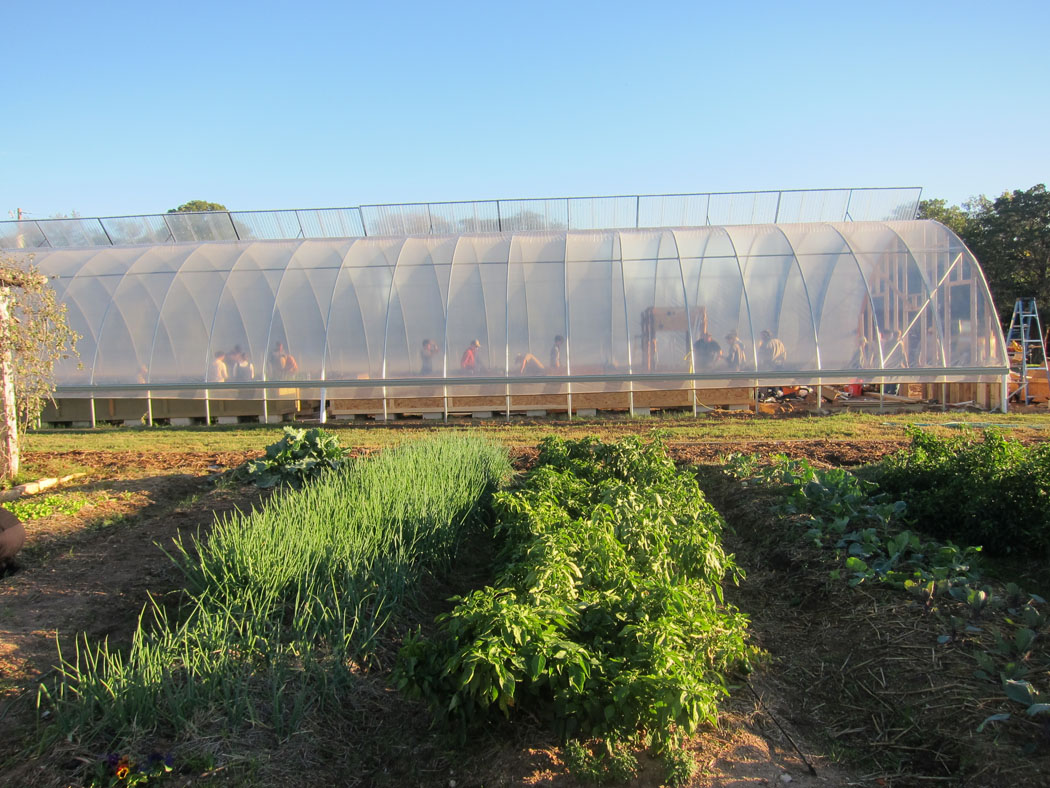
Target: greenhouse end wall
<point x="526" y="315"/>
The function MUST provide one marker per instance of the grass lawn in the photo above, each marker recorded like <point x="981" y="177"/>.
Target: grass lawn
<point x="520" y="432"/>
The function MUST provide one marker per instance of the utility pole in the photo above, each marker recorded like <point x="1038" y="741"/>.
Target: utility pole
<point x="20" y="239"/>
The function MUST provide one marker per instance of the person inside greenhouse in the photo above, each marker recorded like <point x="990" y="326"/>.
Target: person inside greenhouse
<point x="866" y="355"/>
<point x="736" y="355"/>
<point x="527" y="364"/>
<point x="556" y="353"/>
<point x="771" y="351"/>
<point x="707" y="351"/>
<point x="242" y="367"/>
<point x="427" y="353"/>
<point x="469" y="361"/>
<point x="282" y="363"/>
<point x="218" y="373"/>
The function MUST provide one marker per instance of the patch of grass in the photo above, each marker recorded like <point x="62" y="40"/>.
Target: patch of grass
<point x="719" y="426"/>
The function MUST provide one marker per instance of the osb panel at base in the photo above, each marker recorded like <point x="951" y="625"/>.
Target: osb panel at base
<point x="346" y="407"/>
<point x="131" y="409"/>
<point x="554" y="403"/>
<point x="1038" y="391"/>
<point x="716" y="397"/>
<point x="415" y="404"/>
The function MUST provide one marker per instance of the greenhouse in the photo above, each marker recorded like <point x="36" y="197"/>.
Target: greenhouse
<point x="521" y="321"/>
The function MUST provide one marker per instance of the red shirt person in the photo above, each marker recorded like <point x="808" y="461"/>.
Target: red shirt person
<point x="469" y="362"/>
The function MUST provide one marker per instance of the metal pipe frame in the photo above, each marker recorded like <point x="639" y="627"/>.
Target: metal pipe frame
<point x="429" y="207"/>
<point x="742" y="379"/>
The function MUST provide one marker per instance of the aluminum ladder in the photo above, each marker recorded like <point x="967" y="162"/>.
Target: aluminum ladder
<point x="1025" y="347"/>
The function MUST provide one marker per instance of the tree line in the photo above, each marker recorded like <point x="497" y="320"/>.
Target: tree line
<point x="1010" y="237"/>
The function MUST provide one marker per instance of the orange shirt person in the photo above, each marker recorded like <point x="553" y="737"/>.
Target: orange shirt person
<point x="282" y="363"/>
<point x="469" y="362"/>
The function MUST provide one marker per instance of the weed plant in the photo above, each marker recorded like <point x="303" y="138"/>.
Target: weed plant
<point x="37" y="508"/>
<point x="284" y="600"/>
<point x="607" y="617"/>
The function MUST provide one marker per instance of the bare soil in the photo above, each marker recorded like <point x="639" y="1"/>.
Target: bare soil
<point x="93" y="572"/>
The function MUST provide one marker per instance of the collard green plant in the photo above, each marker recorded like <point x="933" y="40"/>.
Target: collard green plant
<point x="298" y="457"/>
<point x="834" y="507"/>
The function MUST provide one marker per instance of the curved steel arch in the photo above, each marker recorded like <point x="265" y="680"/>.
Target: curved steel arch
<point x="929" y="291"/>
<point x="160" y="313"/>
<point x="867" y="289"/>
<point x="805" y="289"/>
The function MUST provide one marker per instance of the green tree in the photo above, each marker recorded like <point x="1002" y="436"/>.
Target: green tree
<point x="34" y="335"/>
<point x="1011" y="239"/>
<point x="195" y="206"/>
<point x="954" y="217"/>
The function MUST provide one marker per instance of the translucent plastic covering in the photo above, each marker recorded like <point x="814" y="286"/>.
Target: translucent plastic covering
<point x="532" y="312"/>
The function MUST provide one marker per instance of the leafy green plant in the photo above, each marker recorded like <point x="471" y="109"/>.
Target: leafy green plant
<point x="829" y="503"/>
<point x="679" y="767"/>
<point x="615" y="763"/>
<point x="991" y="492"/>
<point x="46" y="506"/>
<point x="853" y="517"/>
<point x="606" y="617"/>
<point x="301" y="455"/>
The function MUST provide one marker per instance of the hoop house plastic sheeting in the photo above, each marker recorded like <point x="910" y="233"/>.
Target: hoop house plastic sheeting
<point x="600" y="310"/>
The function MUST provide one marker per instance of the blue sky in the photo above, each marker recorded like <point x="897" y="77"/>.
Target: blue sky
<point x="122" y="108"/>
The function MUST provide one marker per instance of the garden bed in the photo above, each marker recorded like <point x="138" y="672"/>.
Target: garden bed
<point x="850" y="675"/>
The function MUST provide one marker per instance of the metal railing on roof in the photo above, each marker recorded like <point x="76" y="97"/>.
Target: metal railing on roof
<point x="558" y="213"/>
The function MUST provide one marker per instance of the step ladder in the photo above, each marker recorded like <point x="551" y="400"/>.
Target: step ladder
<point x="1025" y="347"/>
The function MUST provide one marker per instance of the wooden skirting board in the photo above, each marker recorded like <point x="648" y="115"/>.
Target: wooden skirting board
<point x="552" y="403"/>
<point x="984" y="395"/>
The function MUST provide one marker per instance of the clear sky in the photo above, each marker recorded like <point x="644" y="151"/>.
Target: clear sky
<point x="122" y="108"/>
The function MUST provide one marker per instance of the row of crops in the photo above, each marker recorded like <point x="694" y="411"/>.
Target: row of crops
<point x="949" y="521"/>
<point x="600" y="616"/>
<point x="283" y="600"/>
<point x="603" y="616"/>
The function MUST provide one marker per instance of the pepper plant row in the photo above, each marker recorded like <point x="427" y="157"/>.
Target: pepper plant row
<point x="606" y="618"/>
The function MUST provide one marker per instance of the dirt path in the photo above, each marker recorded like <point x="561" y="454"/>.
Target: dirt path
<point x="78" y="576"/>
